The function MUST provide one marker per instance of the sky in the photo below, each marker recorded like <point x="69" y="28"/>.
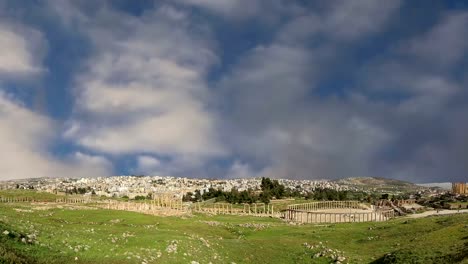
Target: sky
<point x="234" y="88"/>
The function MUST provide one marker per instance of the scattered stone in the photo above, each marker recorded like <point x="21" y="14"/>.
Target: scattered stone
<point x="172" y="247"/>
<point x="212" y="223"/>
<point x="320" y="251"/>
<point x="254" y="226"/>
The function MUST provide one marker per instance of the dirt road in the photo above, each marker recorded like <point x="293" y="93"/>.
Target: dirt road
<point x="434" y="212"/>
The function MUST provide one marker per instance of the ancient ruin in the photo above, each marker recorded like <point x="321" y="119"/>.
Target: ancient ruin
<point x="460" y="188"/>
<point x="336" y="212"/>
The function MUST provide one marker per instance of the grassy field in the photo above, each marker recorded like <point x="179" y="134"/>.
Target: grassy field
<point x="77" y="234"/>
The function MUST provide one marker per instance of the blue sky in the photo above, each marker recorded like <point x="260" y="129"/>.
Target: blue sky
<point x="234" y="88"/>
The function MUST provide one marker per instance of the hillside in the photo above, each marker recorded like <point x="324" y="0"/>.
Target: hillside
<point x="380" y="184"/>
<point x="78" y="234"/>
<point x="441" y="185"/>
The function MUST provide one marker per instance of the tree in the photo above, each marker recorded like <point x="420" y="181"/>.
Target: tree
<point x="273" y="188"/>
<point x="265" y="197"/>
<point x="198" y="196"/>
<point x="187" y="197"/>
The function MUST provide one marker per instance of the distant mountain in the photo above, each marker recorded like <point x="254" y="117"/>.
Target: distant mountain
<point x="373" y="181"/>
<point x="442" y="185"/>
<point x="379" y="184"/>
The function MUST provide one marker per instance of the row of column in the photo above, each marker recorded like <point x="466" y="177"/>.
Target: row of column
<point x="263" y="209"/>
<point x="225" y="208"/>
<point x="29" y="199"/>
<point x="149" y="207"/>
<point x="310" y="217"/>
<point x="71" y="200"/>
<point x="165" y="201"/>
<point x="16" y="199"/>
<point x="403" y="202"/>
<point x="324" y="205"/>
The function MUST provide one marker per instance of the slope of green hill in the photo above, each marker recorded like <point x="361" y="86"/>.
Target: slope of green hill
<point x="380" y="184"/>
<point x="89" y="235"/>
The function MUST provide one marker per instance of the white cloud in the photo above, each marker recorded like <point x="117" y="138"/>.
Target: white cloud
<point x="21" y="50"/>
<point x="418" y="67"/>
<point x="341" y="21"/>
<point x="239" y="170"/>
<point x="444" y="45"/>
<point x="278" y="124"/>
<point x="263" y="10"/>
<point x="86" y="165"/>
<point x="350" y="20"/>
<point x="148" y="165"/>
<point x="284" y="109"/>
<point x="424" y="116"/>
<point x="144" y="89"/>
<point x="223" y="6"/>
<point x="25" y="136"/>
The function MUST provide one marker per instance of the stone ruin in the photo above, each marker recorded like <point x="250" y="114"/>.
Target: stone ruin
<point x="336" y="212"/>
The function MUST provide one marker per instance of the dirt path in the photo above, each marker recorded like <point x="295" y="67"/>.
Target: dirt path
<point x="441" y="212"/>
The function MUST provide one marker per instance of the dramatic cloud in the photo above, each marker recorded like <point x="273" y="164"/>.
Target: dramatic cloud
<point x="427" y="122"/>
<point x="279" y="124"/>
<point x="201" y="88"/>
<point x="144" y="89"/>
<point x="445" y="44"/>
<point x="296" y="133"/>
<point x="25" y="136"/>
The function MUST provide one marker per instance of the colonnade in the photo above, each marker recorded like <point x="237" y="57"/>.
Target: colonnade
<point x="16" y="199"/>
<point x="403" y="202"/>
<point x="314" y="206"/>
<point x="255" y="209"/>
<point x="72" y="200"/>
<point x="311" y="213"/>
<point x="149" y="207"/>
<point x="30" y="199"/>
<point x="318" y="217"/>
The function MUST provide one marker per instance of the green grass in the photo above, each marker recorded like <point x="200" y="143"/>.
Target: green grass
<point x="106" y="236"/>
